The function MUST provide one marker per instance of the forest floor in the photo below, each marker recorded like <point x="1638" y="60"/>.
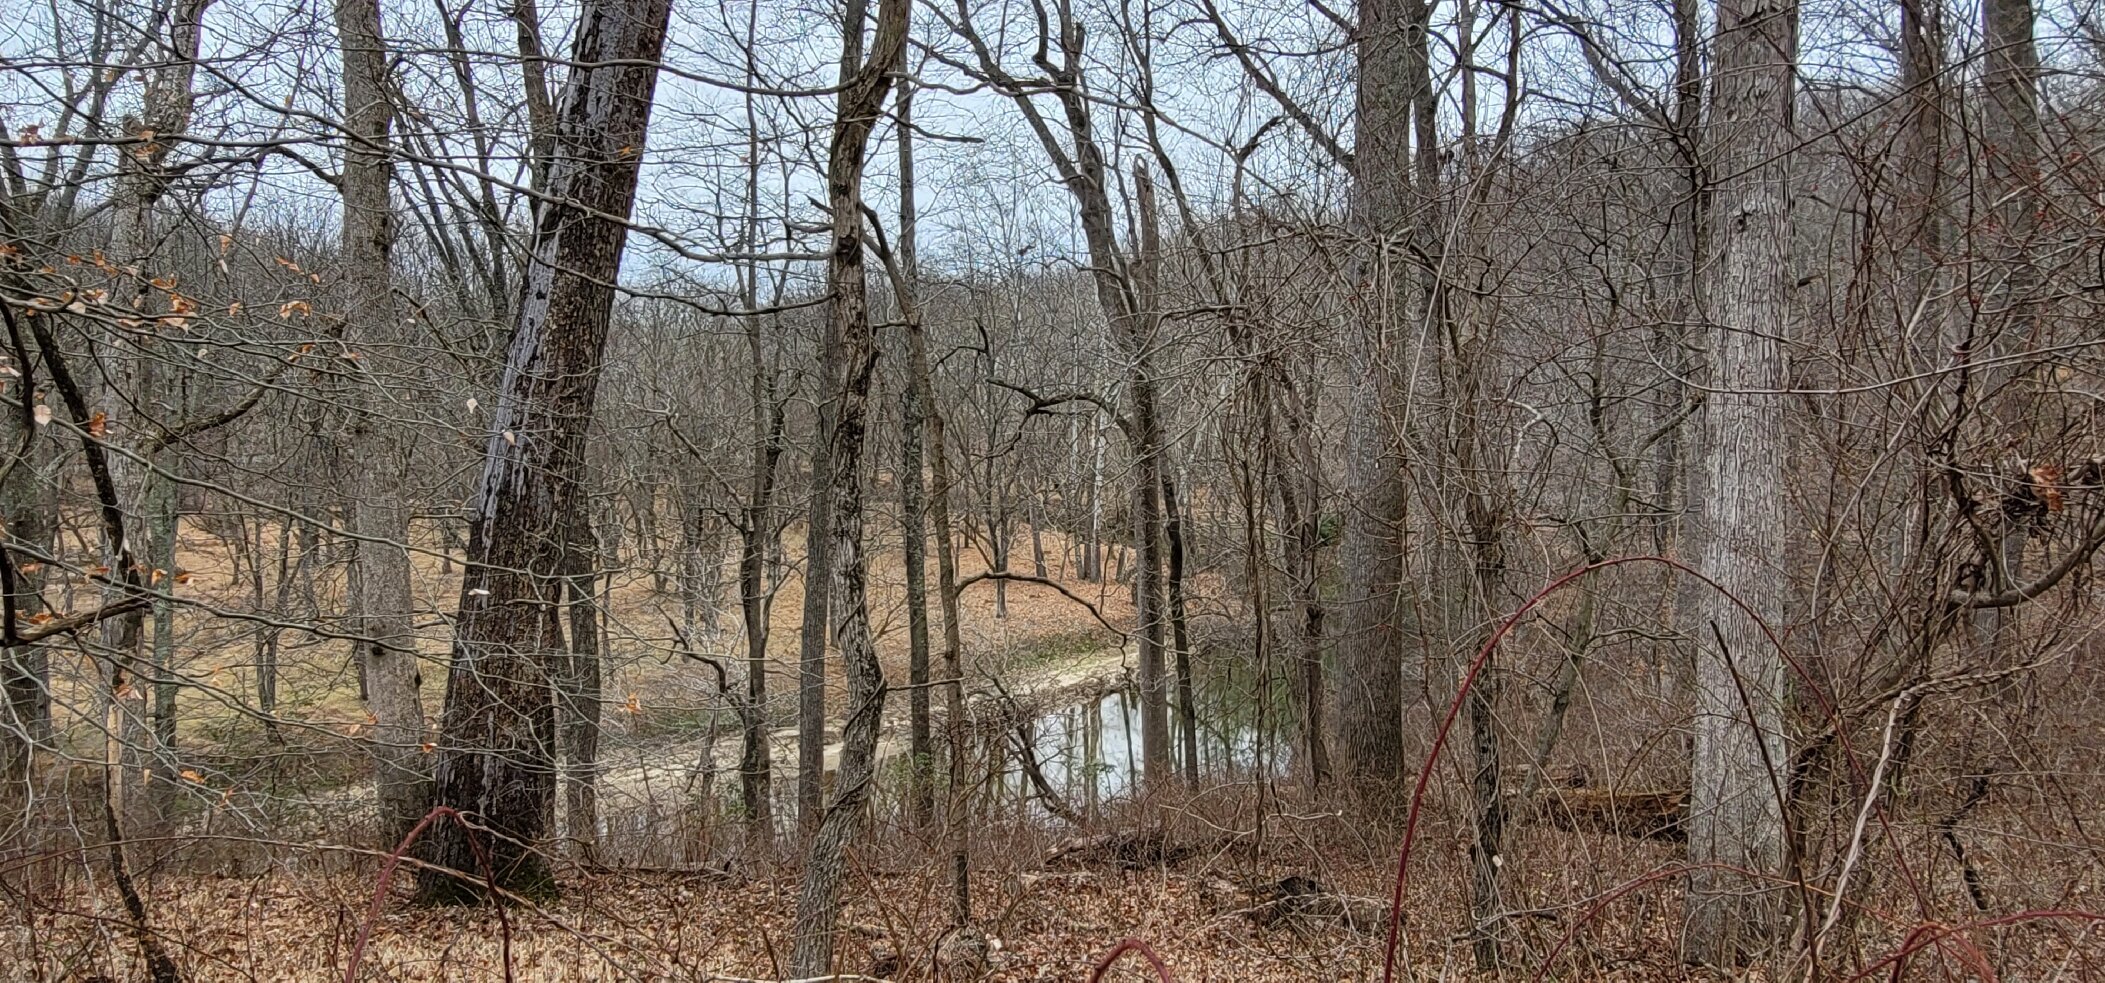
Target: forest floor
<point x="243" y="901"/>
<point x="1583" y="906"/>
<point x="1050" y="925"/>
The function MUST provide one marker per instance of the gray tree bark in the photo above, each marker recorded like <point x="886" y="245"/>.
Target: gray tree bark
<point x="1736" y="812"/>
<point x="376" y="467"/>
<point x="1389" y="209"/>
<point x="913" y="489"/>
<point x="580" y="684"/>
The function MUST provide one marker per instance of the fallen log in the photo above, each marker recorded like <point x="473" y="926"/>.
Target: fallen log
<point x="1303" y="903"/>
<point x="1138" y="849"/>
<point x="1659" y="814"/>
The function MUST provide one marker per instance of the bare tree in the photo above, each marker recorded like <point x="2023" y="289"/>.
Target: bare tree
<point x="1736" y="829"/>
<point x="1392" y="207"/>
<point x="1134" y="327"/>
<point x="496" y="754"/>
<point x="848" y="384"/>
<point x="373" y="459"/>
<point x="2011" y="145"/>
<point x="913" y="488"/>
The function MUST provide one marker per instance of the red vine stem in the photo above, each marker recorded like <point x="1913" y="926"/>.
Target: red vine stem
<point x="1135" y="946"/>
<point x="1425" y="773"/>
<point x="1932" y="933"/>
<point x="387" y="873"/>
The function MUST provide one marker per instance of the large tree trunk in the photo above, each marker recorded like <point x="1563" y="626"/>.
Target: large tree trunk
<point x="1735" y="817"/>
<point x="818" y="897"/>
<point x="376" y="464"/>
<point x="1372" y="676"/>
<point x="496" y="757"/>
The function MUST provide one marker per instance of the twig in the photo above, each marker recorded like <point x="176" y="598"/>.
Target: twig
<point x="1024" y="578"/>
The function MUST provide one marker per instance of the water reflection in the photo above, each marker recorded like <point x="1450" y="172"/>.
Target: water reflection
<point x="1087" y="754"/>
<point x="1090" y="753"/>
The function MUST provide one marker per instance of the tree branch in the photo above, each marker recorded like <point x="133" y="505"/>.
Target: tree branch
<point x="1023" y="578"/>
<point x="2077" y="557"/>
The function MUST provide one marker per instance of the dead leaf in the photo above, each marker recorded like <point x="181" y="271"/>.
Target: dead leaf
<point x="2047" y="479"/>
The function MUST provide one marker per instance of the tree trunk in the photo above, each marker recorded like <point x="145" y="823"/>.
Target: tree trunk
<point x="156" y="808"/>
<point x="1394" y="78"/>
<point x="580" y="685"/>
<point x="913" y="499"/>
<point x="758" y="536"/>
<point x="143" y="179"/>
<point x="1735" y="816"/>
<point x="1126" y="295"/>
<point x="28" y="530"/>
<point x="378" y="521"/>
<point x="754" y="768"/>
<point x="818" y="897"/>
<point x="1297" y="482"/>
<point x="818" y="590"/>
<point x="495" y="760"/>
<point x="29" y="523"/>
<point x="1136" y="334"/>
<point x="1180" y="632"/>
<point x="1037" y="517"/>
<point x="957" y="781"/>
<point x="2011" y="129"/>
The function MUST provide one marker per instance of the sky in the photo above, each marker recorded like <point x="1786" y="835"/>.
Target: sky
<point x="987" y="196"/>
